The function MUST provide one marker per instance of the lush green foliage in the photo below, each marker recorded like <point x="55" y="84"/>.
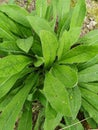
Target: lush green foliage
<point x="44" y="59"/>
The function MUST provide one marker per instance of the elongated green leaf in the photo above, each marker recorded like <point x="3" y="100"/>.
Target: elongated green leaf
<point x="66" y="75"/>
<point x="90" y="121"/>
<point x="63" y="42"/>
<point x="52" y="13"/>
<point x="78" y="15"/>
<point x="73" y="124"/>
<point x="54" y="4"/>
<point x="49" y="46"/>
<point x="13" y="64"/>
<point x="74" y="34"/>
<point x="60" y="9"/>
<point x="41" y="7"/>
<point x="63" y="8"/>
<point x="93" y="87"/>
<point x="5" y="27"/>
<point x="7" y="85"/>
<point x="67" y="40"/>
<point x="90" y="109"/>
<point x="25" y="44"/>
<point x="11" y="111"/>
<point x="10" y="47"/>
<point x="91" y="97"/>
<point x="25" y="122"/>
<point x="6" y="99"/>
<point x="80" y="54"/>
<point x="70" y="37"/>
<point x="6" y="35"/>
<point x="57" y="95"/>
<point x="66" y="24"/>
<point x="8" y="82"/>
<point x="52" y="119"/>
<point x="8" y="24"/>
<point x="89" y="63"/>
<point x="91" y="38"/>
<point x="89" y="74"/>
<point x="75" y="101"/>
<point x="49" y="12"/>
<point x="15" y="12"/>
<point x="39" y="24"/>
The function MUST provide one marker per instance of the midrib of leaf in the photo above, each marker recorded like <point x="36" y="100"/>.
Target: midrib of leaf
<point x="84" y="56"/>
<point x="7" y="35"/>
<point x="4" y="81"/>
<point x="49" y="53"/>
<point x="77" y="55"/>
<point x="12" y="51"/>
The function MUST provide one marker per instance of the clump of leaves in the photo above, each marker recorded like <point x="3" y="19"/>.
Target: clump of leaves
<point x="45" y="61"/>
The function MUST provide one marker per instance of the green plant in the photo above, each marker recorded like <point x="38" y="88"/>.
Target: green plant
<point x="45" y="62"/>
